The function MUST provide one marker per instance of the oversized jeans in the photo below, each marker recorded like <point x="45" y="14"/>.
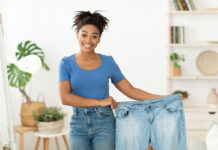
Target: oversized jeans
<point x="158" y="122"/>
<point x="92" y="128"/>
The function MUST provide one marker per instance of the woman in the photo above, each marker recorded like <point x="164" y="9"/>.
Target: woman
<point x="84" y="84"/>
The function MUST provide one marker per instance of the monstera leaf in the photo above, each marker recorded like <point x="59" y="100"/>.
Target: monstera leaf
<point x="16" y="77"/>
<point x="27" y="48"/>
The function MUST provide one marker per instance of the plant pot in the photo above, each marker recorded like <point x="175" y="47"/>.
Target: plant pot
<point x="27" y="110"/>
<point x="50" y="127"/>
<point x="174" y="71"/>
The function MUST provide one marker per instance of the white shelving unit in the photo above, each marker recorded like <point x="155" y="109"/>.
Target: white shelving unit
<point x="191" y="45"/>
<point x="193" y="77"/>
<point x="197" y="117"/>
<point x="194" y="12"/>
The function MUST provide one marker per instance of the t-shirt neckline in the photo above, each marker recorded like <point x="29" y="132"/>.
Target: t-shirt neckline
<point x="91" y="69"/>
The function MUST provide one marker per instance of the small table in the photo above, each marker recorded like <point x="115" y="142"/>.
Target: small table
<point x="21" y="130"/>
<point x="46" y="138"/>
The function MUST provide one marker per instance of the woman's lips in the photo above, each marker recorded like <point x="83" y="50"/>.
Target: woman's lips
<point x="88" y="45"/>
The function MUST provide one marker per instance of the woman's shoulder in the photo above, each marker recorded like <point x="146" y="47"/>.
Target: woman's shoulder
<point x="68" y="58"/>
<point x="106" y="57"/>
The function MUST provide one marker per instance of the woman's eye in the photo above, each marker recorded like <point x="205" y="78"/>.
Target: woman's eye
<point x="83" y="35"/>
<point x="95" y="37"/>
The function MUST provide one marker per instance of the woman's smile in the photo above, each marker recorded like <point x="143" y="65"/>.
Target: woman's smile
<point x="88" y="45"/>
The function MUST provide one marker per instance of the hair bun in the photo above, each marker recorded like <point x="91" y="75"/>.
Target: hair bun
<point x="86" y="17"/>
<point x="82" y="14"/>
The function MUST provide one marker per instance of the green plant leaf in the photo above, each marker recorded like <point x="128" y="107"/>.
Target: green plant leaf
<point x="184" y="93"/>
<point x="16" y="77"/>
<point x="175" y="58"/>
<point x="27" y="48"/>
<point x="49" y="114"/>
<point x="176" y="65"/>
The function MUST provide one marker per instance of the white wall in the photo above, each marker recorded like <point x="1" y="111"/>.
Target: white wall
<point x="136" y="38"/>
<point x="1" y="6"/>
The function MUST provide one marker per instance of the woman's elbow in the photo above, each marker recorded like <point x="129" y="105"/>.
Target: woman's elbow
<point x="64" y="99"/>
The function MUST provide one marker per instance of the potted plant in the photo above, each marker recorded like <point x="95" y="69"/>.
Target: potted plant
<point x="175" y="68"/>
<point x="184" y="94"/>
<point x="19" y="79"/>
<point x="50" y="120"/>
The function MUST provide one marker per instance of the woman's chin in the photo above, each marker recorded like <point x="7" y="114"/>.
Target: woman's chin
<point x="87" y="50"/>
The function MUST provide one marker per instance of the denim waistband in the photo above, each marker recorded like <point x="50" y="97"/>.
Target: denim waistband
<point x="90" y="109"/>
<point x="153" y="103"/>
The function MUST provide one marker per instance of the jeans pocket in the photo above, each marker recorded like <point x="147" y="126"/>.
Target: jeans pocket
<point x="174" y="107"/>
<point x="121" y="113"/>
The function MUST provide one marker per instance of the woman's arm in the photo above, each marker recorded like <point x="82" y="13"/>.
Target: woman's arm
<point x="134" y="93"/>
<point x="68" y="98"/>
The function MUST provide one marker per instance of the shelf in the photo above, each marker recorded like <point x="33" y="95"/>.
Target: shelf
<point x="193" y="45"/>
<point x="195" y="12"/>
<point x="193" y="77"/>
<point x="200" y="109"/>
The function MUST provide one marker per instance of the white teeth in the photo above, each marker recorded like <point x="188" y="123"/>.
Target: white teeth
<point x="87" y="45"/>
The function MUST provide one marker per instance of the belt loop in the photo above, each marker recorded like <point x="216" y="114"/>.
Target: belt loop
<point x="75" y="111"/>
<point x="96" y="110"/>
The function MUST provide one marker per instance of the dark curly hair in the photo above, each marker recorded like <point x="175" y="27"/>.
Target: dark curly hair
<point x="86" y="17"/>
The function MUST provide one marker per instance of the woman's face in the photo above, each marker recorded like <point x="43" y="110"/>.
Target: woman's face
<point x="88" y="37"/>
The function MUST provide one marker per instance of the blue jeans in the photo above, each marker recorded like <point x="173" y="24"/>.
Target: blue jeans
<point x="158" y="122"/>
<point x="92" y="128"/>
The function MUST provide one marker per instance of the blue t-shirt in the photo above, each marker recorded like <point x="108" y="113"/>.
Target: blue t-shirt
<point x="90" y="83"/>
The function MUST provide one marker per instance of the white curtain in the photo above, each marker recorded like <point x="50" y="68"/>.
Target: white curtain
<point x="6" y="125"/>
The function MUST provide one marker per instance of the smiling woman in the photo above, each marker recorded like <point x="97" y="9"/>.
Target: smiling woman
<point x="84" y="85"/>
<point x="6" y="127"/>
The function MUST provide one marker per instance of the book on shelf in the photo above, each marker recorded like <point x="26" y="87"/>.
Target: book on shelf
<point x="171" y="34"/>
<point x="182" y="40"/>
<point x="175" y="5"/>
<point x="182" y="5"/>
<point x="179" y="4"/>
<point x="190" y="4"/>
<point x="177" y="34"/>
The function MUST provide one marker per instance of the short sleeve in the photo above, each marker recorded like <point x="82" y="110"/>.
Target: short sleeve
<point x="64" y="71"/>
<point x="116" y="74"/>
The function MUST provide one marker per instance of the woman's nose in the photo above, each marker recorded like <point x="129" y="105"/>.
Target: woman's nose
<point x="88" y="39"/>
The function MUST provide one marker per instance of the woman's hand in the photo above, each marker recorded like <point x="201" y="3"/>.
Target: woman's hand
<point x="108" y="101"/>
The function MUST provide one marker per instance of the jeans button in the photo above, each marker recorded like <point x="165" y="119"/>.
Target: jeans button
<point x="149" y="107"/>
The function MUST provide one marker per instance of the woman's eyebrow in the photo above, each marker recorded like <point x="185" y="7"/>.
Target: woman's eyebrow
<point x="92" y="33"/>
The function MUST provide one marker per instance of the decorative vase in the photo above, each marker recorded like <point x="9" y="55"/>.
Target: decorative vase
<point x="174" y="71"/>
<point x="212" y="99"/>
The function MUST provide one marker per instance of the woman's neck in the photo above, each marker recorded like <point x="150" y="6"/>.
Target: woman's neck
<point x="87" y="56"/>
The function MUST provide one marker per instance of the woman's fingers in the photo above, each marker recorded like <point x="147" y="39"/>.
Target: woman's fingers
<point x="114" y="104"/>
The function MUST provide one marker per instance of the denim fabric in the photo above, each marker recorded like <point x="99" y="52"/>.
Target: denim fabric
<point x="158" y="122"/>
<point x="92" y="128"/>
